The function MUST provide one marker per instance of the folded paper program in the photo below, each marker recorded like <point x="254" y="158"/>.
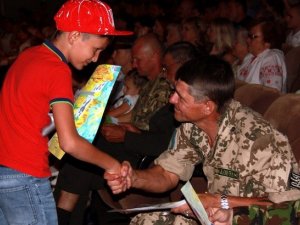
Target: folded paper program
<point x="156" y="207"/>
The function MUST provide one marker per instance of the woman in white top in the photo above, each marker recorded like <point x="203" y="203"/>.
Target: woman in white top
<point x="266" y="63"/>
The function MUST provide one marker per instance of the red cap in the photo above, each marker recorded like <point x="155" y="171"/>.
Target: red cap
<point x="88" y="16"/>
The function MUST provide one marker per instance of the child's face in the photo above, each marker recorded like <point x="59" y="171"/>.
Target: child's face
<point x="86" y="49"/>
<point x="130" y="88"/>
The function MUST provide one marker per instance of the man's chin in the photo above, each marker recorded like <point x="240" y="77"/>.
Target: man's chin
<point x="178" y="118"/>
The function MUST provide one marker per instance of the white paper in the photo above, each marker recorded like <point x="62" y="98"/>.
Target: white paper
<point x="195" y="203"/>
<point x="168" y="205"/>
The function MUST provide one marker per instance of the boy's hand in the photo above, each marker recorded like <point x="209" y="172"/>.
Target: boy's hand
<point x="123" y="181"/>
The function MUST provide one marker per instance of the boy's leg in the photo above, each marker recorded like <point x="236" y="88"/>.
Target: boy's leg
<point x="25" y="199"/>
<point x="74" y="181"/>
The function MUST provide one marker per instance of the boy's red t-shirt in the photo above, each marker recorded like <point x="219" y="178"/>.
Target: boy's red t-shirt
<point x="39" y="76"/>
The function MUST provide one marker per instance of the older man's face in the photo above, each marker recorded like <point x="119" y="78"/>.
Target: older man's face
<point x="186" y="108"/>
<point x="142" y="60"/>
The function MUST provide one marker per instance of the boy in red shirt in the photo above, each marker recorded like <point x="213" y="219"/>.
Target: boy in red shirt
<point x="40" y="79"/>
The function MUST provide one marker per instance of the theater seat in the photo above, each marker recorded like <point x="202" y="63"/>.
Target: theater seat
<point x="239" y="83"/>
<point x="256" y="96"/>
<point x="284" y="115"/>
<point x="293" y="69"/>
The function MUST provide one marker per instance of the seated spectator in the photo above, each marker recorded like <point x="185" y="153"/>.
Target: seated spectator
<point x="292" y="19"/>
<point x="143" y="25"/>
<point x="240" y="48"/>
<point x="173" y="33"/>
<point x="193" y="30"/>
<point x="272" y="10"/>
<point x="176" y="55"/>
<point x="26" y="37"/>
<point x="122" y="53"/>
<point x="221" y="36"/>
<point x="186" y="9"/>
<point x="160" y="28"/>
<point x="267" y="65"/>
<point x="121" y="56"/>
<point x="210" y="11"/>
<point x="237" y="10"/>
<point x="121" y="110"/>
<point x="155" y="8"/>
<point x="39" y="81"/>
<point x="244" y="158"/>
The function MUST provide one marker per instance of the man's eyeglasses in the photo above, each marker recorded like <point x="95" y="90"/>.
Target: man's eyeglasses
<point x="253" y="36"/>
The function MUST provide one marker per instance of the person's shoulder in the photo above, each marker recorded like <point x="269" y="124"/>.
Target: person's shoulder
<point x="247" y="122"/>
<point x="42" y="60"/>
<point x="273" y="54"/>
<point x="164" y="83"/>
<point x="31" y="51"/>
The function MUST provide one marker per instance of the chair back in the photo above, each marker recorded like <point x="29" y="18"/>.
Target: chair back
<point x="284" y="115"/>
<point x="293" y="69"/>
<point x="256" y="96"/>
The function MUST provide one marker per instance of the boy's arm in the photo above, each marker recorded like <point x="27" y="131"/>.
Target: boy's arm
<point x="71" y="142"/>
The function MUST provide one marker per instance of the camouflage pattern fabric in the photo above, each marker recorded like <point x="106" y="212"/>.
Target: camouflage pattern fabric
<point x="249" y="158"/>
<point x="279" y="214"/>
<point x="153" y="96"/>
<point x="161" y="218"/>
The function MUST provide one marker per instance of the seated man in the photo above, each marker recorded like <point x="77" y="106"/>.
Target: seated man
<point x="244" y="158"/>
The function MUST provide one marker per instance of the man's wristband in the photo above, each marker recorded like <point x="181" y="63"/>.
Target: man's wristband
<point x="224" y="202"/>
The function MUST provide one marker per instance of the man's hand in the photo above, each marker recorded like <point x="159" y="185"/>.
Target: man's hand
<point x="216" y="215"/>
<point x="209" y="200"/>
<point x="220" y="216"/>
<point x="122" y="182"/>
<point x="113" y="133"/>
<point x="184" y="210"/>
<point x="130" y="127"/>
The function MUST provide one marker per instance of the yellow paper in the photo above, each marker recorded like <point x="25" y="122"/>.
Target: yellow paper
<point x="90" y="105"/>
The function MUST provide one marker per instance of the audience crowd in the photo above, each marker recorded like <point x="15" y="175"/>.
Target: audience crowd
<point x="271" y="31"/>
<point x="253" y="37"/>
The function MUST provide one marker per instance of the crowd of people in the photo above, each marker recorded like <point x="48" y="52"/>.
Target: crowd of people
<point x="172" y="103"/>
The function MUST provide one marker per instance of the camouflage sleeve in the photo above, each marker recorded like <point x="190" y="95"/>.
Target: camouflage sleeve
<point x="181" y="156"/>
<point x="271" y="161"/>
<point x="160" y="94"/>
<point x="153" y="97"/>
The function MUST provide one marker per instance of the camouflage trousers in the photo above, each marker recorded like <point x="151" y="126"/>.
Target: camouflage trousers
<point x="279" y="214"/>
<point x="282" y="214"/>
<point x="161" y="218"/>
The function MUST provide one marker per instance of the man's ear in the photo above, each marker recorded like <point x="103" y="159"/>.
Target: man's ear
<point x="210" y="107"/>
<point x="73" y="36"/>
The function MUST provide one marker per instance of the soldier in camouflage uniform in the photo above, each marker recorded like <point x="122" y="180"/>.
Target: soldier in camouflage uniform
<point x="244" y="158"/>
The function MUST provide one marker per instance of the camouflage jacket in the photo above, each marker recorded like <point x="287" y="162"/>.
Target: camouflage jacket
<point x="153" y="96"/>
<point x="249" y="157"/>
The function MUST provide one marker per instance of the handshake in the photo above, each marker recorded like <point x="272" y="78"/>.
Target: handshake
<point x="122" y="181"/>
